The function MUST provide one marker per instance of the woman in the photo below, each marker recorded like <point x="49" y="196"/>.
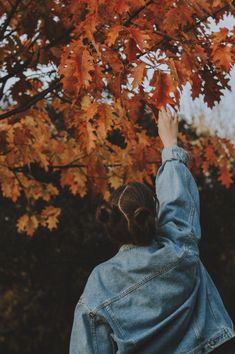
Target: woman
<point x="154" y="296"/>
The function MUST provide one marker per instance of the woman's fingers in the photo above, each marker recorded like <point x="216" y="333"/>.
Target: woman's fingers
<point x="166" y="114"/>
<point x="175" y="117"/>
<point x="162" y="114"/>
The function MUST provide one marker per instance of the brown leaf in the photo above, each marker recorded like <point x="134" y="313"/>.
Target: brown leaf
<point x="138" y="73"/>
<point x="163" y="87"/>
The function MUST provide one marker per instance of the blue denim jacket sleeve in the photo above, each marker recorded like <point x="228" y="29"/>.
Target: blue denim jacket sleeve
<point x="90" y="334"/>
<point x="81" y="335"/>
<point x="177" y="192"/>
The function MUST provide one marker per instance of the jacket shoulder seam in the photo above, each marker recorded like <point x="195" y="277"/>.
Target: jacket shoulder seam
<point x="135" y="286"/>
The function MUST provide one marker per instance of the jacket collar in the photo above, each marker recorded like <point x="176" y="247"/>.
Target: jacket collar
<point x="128" y="246"/>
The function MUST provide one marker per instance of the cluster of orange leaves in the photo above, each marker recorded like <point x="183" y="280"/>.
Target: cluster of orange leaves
<point x="117" y="51"/>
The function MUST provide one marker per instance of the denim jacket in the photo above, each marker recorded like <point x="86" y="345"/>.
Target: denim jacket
<point x="156" y="299"/>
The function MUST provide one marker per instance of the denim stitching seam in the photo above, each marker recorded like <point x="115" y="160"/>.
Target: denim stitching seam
<point x="142" y="282"/>
<point x="108" y="309"/>
<point x="93" y="331"/>
<point x="223" y="331"/>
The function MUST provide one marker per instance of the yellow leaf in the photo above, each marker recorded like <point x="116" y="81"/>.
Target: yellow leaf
<point x="22" y="222"/>
<point x="50" y="216"/>
<point x="10" y="186"/>
<point x="143" y="139"/>
<point x="115" y="181"/>
<point x="89" y="107"/>
<point x="27" y="223"/>
<point x="79" y="185"/>
<point x="85" y="102"/>
<point x="86" y="135"/>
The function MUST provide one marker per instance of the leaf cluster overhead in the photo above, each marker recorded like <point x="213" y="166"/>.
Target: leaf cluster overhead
<point x="88" y="79"/>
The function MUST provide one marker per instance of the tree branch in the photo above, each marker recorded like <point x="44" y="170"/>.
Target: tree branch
<point x="9" y="17"/>
<point x="136" y="13"/>
<point x="59" y="167"/>
<point x="65" y="36"/>
<point x="15" y="70"/>
<point x="20" y="67"/>
<point x="213" y="14"/>
<point x="187" y="29"/>
<point x="63" y="167"/>
<point x="32" y="101"/>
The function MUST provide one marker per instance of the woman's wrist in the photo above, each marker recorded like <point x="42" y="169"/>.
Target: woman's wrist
<point x="170" y="143"/>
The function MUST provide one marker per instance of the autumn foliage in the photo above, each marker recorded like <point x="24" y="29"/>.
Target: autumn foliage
<point x="81" y="86"/>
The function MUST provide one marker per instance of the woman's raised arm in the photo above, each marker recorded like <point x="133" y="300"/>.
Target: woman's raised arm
<point x="177" y="192"/>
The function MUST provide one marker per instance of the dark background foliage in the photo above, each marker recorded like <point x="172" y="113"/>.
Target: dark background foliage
<point x="43" y="277"/>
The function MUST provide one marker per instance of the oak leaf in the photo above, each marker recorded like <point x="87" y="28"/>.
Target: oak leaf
<point x="115" y="181"/>
<point x="196" y="85"/>
<point x="138" y="73"/>
<point x="27" y="223"/>
<point x="140" y="37"/>
<point x="49" y="217"/>
<point x="85" y="134"/>
<point x="163" y="88"/>
<point x="113" y="34"/>
<point x="223" y="56"/>
<point x="225" y="178"/>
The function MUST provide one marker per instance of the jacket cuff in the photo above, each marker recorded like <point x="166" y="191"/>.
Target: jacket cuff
<point x="175" y="152"/>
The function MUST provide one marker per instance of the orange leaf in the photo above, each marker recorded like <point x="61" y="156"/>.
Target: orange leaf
<point x="76" y="65"/>
<point x="10" y="186"/>
<point x="86" y="135"/>
<point x="113" y="34"/>
<point x="138" y="73"/>
<point x="27" y="223"/>
<point x="79" y="185"/>
<point x="164" y="86"/>
<point x="210" y="155"/>
<point x="223" y="57"/>
<point x="50" y="216"/>
<point x="226" y="178"/>
<point x="221" y="35"/>
<point x="140" y="37"/>
<point x="115" y="181"/>
<point x="84" y="63"/>
<point x="104" y="121"/>
<point x="89" y="107"/>
<point x="121" y="6"/>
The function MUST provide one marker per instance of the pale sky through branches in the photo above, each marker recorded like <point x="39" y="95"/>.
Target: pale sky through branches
<point x="220" y="119"/>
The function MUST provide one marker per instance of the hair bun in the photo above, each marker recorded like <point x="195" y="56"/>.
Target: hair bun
<point x="106" y="214"/>
<point x="141" y="215"/>
<point x="103" y="214"/>
<point x="142" y="226"/>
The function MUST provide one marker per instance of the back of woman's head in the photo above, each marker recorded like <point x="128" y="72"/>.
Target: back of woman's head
<point x="130" y="215"/>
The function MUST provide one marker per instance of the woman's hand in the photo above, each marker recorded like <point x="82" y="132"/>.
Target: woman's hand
<point x="168" y="127"/>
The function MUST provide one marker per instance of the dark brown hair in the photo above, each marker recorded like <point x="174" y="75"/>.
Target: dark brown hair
<point x="130" y="215"/>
